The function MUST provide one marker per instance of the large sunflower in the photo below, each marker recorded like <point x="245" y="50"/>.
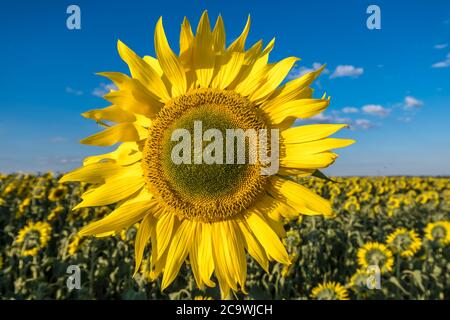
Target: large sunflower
<point x="211" y="214"/>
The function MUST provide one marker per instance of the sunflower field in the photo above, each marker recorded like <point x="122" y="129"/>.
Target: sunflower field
<point x="401" y="225"/>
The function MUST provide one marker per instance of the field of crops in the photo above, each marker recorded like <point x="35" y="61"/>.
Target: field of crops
<point x="401" y="225"/>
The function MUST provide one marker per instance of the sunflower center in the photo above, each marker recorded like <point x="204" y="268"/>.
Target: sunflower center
<point x="192" y="157"/>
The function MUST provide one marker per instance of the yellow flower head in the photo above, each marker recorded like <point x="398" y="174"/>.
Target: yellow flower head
<point x="375" y="254"/>
<point x="330" y="291"/>
<point x="359" y="279"/>
<point x="211" y="213"/>
<point x="438" y="231"/>
<point x="405" y="242"/>
<point x="57" y="194"/>
<point x="33" y="237"/>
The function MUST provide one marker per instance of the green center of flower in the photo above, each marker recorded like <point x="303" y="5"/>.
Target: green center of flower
<point x="191" y="158"/>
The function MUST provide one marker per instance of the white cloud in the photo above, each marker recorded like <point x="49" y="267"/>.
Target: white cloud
<point x="103" y="89"/>
<point x="74" y="91"/>
<point x="362" y="124"/>
<point x="297" y="72"/>
<point x="411" y="103"/>
<point x="442" y="64"/>
<point x="375" y="110"/>
<point x="346" y="71"/>
<point x="350" y="110"/>
<point x="441" y="46"/>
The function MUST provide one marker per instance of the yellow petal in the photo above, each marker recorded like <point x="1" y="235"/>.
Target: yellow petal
<point x="126" y="153"/>
<point x="254" y="247"/>
<point x="203" y="53"/>
<point x="302" y="108"/>
<point x="169" y="61"/>
<point x="121" y="132"/>
<point x="275" y="75"/>
<point x="112" y="113"/>
<point x="142" y="236"/>
<point x="186" y="37"/>
<point x="93" y="173"/>
<point x="238" y="45"/>
<point x="308" y="161"/>
<point x="135" y="100"/>
<point x="310" y="132"/>
<point x="164" y="229"/>
<point x="228" y="253"/>
<point x="154" y="63"/>
<point x="317" y="146"/>
<point x="112" y="191"/>
<point x="143" y="72"/>
<point x="177" y="252"/>
<point x="121" y="218"/>
<point x="298" y="196"/>
<point x="205" y="255"/>
<point x="293" y="90"/>
<point x="218" y="35"/>
<point x="267" y="238"/>
<point x="231" y="63"/>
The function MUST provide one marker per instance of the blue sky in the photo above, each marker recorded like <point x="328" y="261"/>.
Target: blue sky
<point x="392" y="85"/>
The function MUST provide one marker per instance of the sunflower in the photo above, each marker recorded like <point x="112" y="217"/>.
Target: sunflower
<point x="359" y="279"/>
<point x="57" y="193"/>
<point x="33" y="237"/>
<point x="330" y="291"/>
<point x="438" y="231"/>
<point x="405" y="242"/>
<point x="374" y="253"/>
<point x="208" y="213"/>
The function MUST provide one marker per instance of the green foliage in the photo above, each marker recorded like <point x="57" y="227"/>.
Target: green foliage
<point x="367" y="209"/>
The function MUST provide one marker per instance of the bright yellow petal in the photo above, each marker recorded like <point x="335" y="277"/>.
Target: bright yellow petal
<point x="121" y="132"/>
<point x="177" y="252"/>
<point x="310" y="132"/>
<point x="186" y="38"/>
<point x="267" y="238"/>
<point x="302" y="108"/>
<point x="218" y="35"/>
<point x="143" y="72"/>
<point x="317" y="146"/>
<point x="293" y="90"/>
<point x="230" y="66"/>
<point x="164" y="230"/>
<point x="126" y="153"/>
<point x="205" y="255"/>
<point x="93" y="173"/>
<point x="112" y="113"/>
<point x="254" y="247"/>
<point x="169" y="61"/>
<point x="121" y="218"/>
<point x="275" y="75"/>
<point x="142" y="236"/>
<point x="308" y="161"/>
<point x="203" y="53"/>
<point x="239" y="44"/>
<point x="298" y="197"/>
<point x="112" y="191"/>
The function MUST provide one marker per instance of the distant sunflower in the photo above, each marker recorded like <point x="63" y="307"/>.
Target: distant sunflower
<point x="374" y="253"/>
<point x="438" y="231"/>
<point x="57" y="193"/>
<point x="330" y="291"/>
<point x="210" y="214"/>
<point x="359" y="278"/>
<point x="405" y="242"/>
<point x="33" y="237"/>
